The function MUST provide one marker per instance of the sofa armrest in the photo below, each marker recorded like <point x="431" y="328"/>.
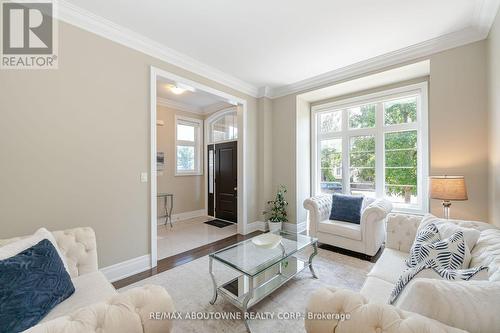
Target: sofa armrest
<point x="401" y="231"/>
<point x="135" y="310"/>
<point x="377" y="210"/>
<point x="78" y="246"/>
<point x="319" y="208"/>
<point x="372" y="225"/>
<point x="362" y="316"/>
<point x="469" y="305"/>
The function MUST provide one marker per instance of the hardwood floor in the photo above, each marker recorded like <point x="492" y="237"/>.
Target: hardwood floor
<point x="182" y="258"/>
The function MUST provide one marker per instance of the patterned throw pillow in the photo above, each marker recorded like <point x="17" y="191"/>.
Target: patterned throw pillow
<point x="444" y="254"/>
<point x="449" y="227"/>
<point x="32" y="283"/>
<point x="428" y="235"/>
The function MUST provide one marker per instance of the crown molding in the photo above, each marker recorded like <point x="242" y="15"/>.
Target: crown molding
<point x="403" y="55"/>
<point x="264" y="92"/>
<point x="178" y="105"/>
<point x="485" y="14"/>
<point x="98" y="25"/>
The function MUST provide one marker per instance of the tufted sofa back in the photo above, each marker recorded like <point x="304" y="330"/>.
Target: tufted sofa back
<point x="402" y="229"/>
<point x="487" y="252"/>
<point x="78" y="246"/>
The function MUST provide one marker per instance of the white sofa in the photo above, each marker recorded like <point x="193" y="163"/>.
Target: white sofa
<point x="96" y="306"/>
<point x="366" y="237"/>
<point x="425" y="305"/>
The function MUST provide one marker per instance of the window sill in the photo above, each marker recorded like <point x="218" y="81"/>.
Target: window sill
<point x="182" y="174"/>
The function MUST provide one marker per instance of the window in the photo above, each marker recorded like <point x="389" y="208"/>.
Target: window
<point x="374" y="145"/>
<point x="188" y="146"/>
<point x="225" y="127"/>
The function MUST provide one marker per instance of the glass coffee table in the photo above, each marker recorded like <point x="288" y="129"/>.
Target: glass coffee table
<point x="262" y="270"/>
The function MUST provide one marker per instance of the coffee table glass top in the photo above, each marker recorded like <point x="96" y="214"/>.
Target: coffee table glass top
<point x="250" y="259"/>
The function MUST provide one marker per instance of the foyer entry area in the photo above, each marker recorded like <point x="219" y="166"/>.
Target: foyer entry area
<point x="197" y="168"/>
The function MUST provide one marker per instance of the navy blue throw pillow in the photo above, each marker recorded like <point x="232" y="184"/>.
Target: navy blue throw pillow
<point x="32" y="283"/>
<point x="346" y="208"/>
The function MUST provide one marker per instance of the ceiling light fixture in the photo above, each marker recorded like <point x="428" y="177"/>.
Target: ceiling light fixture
<point x="179" y="88"/>
<point x="176" y="90"/>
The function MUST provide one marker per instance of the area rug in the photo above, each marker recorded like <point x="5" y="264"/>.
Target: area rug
<point x="190" y="287"/>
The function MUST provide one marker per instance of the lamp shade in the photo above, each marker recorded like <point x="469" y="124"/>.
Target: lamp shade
<point x="448" y="188"/>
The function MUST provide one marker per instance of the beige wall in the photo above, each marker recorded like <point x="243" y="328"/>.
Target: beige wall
<point x="457" y="121"/>
<point x="284" y="150"/>
<point x="188" y="191"/>
<point x="494" y="107"/>
<point x="265" y="133"/>
<point x="73" y="142"/>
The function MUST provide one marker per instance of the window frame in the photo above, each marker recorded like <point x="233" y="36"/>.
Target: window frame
<point x="420" y="90"/>
<point x="221" y="114"/>
<point x="197" y="144"/>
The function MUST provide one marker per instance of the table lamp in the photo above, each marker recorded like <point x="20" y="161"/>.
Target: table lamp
<point x="448" y="188"/>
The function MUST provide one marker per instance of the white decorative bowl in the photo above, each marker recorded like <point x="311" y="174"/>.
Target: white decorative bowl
<point x="267" y="240"/>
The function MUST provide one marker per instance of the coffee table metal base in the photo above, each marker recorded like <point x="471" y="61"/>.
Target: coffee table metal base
<point x="245" y="291"/>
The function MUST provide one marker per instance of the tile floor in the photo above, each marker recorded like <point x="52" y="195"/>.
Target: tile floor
<point x="189" y="234"/>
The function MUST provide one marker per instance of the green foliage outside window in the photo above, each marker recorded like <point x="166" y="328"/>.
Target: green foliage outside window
<point x="400" y="150"/>
<point x="185" y="158"/>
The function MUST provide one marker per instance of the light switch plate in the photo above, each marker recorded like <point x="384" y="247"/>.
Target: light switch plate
<point x="144" y="177"/>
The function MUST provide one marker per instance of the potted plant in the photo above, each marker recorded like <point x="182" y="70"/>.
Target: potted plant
<point x="276" y="214"/>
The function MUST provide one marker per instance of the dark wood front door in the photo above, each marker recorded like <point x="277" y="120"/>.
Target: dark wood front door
<point x="226" y="181"/>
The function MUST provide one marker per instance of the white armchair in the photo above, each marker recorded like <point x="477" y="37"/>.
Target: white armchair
<point x="96" y="306"/>
<point x="366" y="237"/>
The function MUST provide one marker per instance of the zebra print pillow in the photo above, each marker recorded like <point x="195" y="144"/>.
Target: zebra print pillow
<point x="444" y="254"/>
<point x="429" y="234"/>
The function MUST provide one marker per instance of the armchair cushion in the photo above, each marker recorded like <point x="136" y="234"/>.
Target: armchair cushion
<point x="346" y="208"/>
<point x="341" y="228"/>
<point x="33" y="283"/>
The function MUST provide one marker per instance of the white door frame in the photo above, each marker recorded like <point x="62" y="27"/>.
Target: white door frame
<point x="156" y="73"/>
<point x="207" y="123"/>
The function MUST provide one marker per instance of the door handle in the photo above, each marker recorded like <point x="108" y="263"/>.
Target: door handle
<point x="236" y="189"/>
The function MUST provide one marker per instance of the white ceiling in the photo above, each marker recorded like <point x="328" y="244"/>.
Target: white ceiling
<point x="197" y="101"/>
<point x="281" y="42"/>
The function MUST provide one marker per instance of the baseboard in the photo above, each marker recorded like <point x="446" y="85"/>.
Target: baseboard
<point x="295" y="227"/>
<point x="127" y="268"/>
<point x="255" y="226"/>
<point x="183" y="216"/>
<point x="287" y="226"/>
